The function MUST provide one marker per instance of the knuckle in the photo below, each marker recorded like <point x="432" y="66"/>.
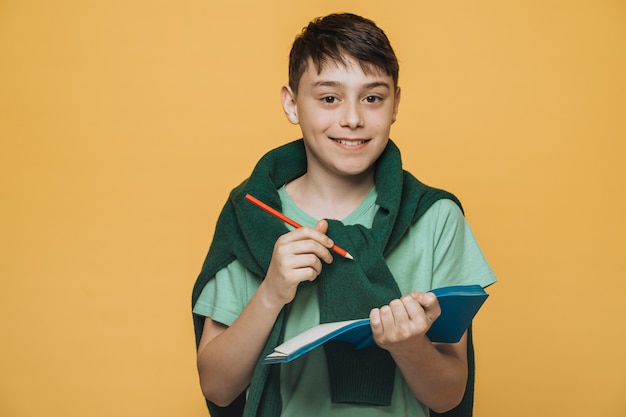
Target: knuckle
<point x="385" y="310"/>
<point x="406" y="331"/>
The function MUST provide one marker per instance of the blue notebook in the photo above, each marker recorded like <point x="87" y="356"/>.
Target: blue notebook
<point x="459" y="304"/>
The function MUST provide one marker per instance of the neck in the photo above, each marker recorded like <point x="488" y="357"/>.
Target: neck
<point x="330" y="198"/>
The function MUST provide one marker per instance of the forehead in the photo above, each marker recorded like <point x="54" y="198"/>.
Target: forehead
<point x="348" y="68"/>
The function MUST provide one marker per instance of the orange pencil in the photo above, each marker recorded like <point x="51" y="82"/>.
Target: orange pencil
<point x="290" y="222"/>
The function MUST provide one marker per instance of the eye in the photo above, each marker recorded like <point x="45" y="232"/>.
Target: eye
<point x="329" y="99"/>
<point x="372" y="99"/>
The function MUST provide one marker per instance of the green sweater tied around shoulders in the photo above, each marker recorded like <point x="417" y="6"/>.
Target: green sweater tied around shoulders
<point x="347" y="289"/>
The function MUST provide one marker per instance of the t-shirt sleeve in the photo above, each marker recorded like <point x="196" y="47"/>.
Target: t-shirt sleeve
<point x="225" y="296"/>
<point x="457" y="258"/>
<point x="439" y="250"/>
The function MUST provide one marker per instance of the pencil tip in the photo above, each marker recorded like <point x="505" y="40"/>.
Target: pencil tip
<point x="349" y="256"/>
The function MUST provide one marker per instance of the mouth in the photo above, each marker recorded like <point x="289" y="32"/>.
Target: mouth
<point x="350" y="142"/>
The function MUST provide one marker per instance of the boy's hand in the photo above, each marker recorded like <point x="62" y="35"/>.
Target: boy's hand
<point x="404" y="322"/>
<point x="296" y="258"/>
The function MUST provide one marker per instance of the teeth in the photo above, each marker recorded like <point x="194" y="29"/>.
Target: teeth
<point x="350" y="142"/>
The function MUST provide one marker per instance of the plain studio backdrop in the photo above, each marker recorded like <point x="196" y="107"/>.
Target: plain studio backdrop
<point x="124" y="124"/>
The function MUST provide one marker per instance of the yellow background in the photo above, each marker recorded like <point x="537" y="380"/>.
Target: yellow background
<point x="123" y="124"/>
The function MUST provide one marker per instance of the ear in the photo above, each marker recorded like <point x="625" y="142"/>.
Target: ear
<point x="290" y="107"/>
<point x="396" y="104"/>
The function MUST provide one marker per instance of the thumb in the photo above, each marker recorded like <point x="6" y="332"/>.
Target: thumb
<point x="322" y="226"/>
<point x="429" y="303"/>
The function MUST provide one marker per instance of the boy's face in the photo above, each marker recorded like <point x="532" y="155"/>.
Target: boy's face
<point x="345" y="116"/>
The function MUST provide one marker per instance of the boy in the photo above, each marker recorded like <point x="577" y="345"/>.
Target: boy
<point x="263" y="283"/>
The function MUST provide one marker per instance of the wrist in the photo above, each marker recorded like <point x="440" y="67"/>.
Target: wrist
<point x="268" y="298"/>
<point x="409" y="349"/>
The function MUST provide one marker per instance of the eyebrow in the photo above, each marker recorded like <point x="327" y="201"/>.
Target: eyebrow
<point x="368" y="86"/>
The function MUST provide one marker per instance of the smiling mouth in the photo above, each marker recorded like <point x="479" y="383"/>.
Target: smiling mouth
<point x="347" y="142"/>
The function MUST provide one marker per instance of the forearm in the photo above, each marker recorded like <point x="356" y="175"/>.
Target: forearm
<point x="226" y="362"/>
<point x="435" y="373"/>
<point x="227" y="356"/>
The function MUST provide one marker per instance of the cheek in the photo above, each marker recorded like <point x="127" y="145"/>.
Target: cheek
<point x="382" y="126"/>
<point x="317" y="121"/>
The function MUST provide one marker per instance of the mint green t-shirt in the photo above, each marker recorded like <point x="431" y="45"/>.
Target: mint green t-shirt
<point x="438" y="250"/>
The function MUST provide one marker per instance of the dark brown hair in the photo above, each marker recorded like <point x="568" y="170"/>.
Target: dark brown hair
<point x="334" y="37"/>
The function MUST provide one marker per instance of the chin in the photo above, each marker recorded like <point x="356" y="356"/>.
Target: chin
<point x="354" y="171"/>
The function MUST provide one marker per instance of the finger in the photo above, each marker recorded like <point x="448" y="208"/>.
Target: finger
<point x="412" y="307"/>
<point x="322" y="227"/>
<point x="314" y="248"/>
<point x="427" y="299"/>
<point x="417" y="314"/>
<point x="386" y="319"/>
<point x="287" y="259"/>
<point x="429" y="303"/>
<point x="299" y="247"/>
<point x="376" y="325"/>
<point x="286" y="246"/>
<point x="307" y="233"/>
<point x="398" y="312"/>
<point x="309" y="262"/>
<point x="318" y="233"/>
<point x="308" y="273"/>
<point x="375" y="322"/>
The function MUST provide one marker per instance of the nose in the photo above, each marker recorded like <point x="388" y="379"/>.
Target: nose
<point x="351" y="116"/>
